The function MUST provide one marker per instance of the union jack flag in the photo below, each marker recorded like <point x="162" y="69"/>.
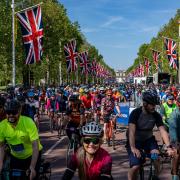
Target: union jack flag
<point x="170" y="46"/>
<point x="155" y="55"/>
<point x="32" y="33"/>
<point x="84" y="62"/>
<point x="71" y="56"/>
<point x="93" y="67"/>
<point x="147" y="65"/>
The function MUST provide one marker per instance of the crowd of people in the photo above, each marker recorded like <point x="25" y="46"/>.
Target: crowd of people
<point x="89" y="108"/>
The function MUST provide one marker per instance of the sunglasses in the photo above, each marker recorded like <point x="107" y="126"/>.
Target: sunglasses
<point x="12" y="112"/>
<point x="93" y="140"/>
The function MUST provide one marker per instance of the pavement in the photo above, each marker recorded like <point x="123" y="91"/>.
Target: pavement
<point x="55" y="152"/>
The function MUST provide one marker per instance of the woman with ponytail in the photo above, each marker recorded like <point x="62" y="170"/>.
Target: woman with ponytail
<point x="92" y="161"/>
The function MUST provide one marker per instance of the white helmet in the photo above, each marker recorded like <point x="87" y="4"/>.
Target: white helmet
<point x="92" y="129"/>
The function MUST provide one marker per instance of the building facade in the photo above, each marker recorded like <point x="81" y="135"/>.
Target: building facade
<point x="120" y="76"/>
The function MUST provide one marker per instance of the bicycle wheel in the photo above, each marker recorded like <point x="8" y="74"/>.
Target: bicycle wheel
<point x="51" y="125"/>
<point x="141" y="173"/>
<point x="113" y="139"/>
<point x="59" y="129"/>
<point x="70" y="151"/>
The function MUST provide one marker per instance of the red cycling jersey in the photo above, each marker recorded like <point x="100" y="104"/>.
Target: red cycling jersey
<point x="101" y="165"/>
<point x="86" y="101"/>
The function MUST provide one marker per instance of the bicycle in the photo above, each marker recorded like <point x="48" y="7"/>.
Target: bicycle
<point x="74" y="143"/>
<point x="60" y="124"/>
<point x="112" y="130"/>
<point x="19" y="174"/>
<point x="14" y="174"/>
<point x="152" y="170"/>
<point x="88" y="115"/>
<point x="51" y="120"/>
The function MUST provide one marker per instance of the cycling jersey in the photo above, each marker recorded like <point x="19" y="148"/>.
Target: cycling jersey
<point x="101" y="165"/>
<point x="86" y="101"/>
<point x="75" y="112"/>
<point x="51" y="105"/>
<point x="96" y="102"/>
<point x="20" y="138"/>
<point x="61" y="103"/>
<point x="145" y="123"/>
<point x="108" y="105"/>
<point x="30" y="108"/>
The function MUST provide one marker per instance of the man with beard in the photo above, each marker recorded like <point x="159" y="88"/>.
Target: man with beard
<point x="21" y="135"/>
<point x="140" y="135"/>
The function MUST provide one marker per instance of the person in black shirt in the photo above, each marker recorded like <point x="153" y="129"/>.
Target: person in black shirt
<point x="140" y="134"/>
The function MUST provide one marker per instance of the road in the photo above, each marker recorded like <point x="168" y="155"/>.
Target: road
<point x="55" y="152"/>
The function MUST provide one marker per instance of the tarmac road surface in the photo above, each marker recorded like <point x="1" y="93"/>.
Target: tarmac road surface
<point x="55" y="152"/>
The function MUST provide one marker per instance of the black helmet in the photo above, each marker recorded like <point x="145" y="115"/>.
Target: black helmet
<point x="21" y="98"/>
<point x="151" y="97"/>
<point x="12" y="107"/>
<point x="73" y="98"/>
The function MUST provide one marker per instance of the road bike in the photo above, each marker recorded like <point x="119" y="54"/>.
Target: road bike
<point x="19" y="174"/>
<point x="152" y="171"/>
<point x="60" y="124"/>
<point x="74" y="143"/>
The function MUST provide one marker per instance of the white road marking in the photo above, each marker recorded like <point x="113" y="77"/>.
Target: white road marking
<point x="52" y="147"/>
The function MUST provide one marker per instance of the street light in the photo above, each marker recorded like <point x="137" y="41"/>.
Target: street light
<point x="13" y="6"/>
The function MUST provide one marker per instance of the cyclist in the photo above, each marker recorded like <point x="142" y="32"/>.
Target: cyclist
<point x="21" y="135"/>
<point x="51" y="108"/>
<point x="140" y="135"/>
<point x="92" y="161"/>
<point x="2" y="111"/>
<point x="32" y="107"/>
<point x="96" y="105"/>
<point x="174" y="133"/>
<point x="166" y="109"/>
<point x="75" y="113"/>
<point x="107" y="109"/>
<point x="61" y="101"/>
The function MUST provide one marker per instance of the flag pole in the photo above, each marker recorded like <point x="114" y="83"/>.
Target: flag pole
<point x="179" y="53"/>
<point x="13" y="46"/>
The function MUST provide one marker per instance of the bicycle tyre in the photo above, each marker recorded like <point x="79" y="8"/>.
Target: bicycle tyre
<point x="113" y="140"/>
<point x="59" y="129"/>
<point x="51" y="125"/>
<point x="141" y="173"/>
<point x="70" y="151"/>
<point x="44" y="177"/>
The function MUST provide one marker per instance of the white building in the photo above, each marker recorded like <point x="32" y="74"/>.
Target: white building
<point x="120" y="76"/>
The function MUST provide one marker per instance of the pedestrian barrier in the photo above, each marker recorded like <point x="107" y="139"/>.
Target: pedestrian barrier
<point x="125" y="114"/>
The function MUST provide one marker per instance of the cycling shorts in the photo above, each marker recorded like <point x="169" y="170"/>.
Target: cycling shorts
<point x="148" y="145"/>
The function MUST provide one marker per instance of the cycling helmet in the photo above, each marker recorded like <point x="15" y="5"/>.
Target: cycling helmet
<point x="30" y="94"/>
<point x="81" y="90"/>
<point x="86" y="90"/>
<point x="101" y="88"/>
<point x="92" y="129"/>
<point x="73" y="98"/>
<point x="170" y="97"/>
<point x="20" y="98"/>
<point x="12" y="106"/>
<point x="151" y="97"/>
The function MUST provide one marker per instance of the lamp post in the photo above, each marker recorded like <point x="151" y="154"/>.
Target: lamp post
<point x="13" y="47"/>
<point x="179" y="54"/>
<point x="60" y="64"/>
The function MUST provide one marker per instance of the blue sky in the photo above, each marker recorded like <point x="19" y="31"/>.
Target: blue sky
<point x="117" y="28"/>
